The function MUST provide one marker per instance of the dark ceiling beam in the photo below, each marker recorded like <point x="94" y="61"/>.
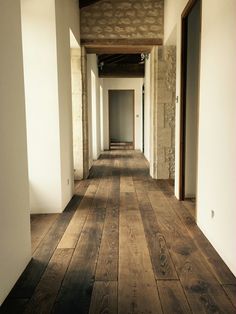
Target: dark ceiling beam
<point x="85" y="3"/>
<point x="113" y="59"/>
<point x="122" y="70"/>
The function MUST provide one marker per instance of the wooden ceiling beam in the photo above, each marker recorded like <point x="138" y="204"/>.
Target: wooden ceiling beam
<point x="119" y="46"/>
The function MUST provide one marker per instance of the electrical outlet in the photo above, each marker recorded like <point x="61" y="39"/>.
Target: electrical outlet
<point x="68" y="181"/>
<point x="212" y="214"/>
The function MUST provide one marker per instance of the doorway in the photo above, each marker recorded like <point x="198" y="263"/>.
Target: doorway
<point x="190" y="65"/>
<point x="121" y="119"/>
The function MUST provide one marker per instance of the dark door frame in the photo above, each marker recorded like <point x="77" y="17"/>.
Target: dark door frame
<point x="109" y="132"/>
<point x="183" y="82"/>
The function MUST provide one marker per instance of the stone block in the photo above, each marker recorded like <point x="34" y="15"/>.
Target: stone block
<point x="97" y="29"/>
<point x="163" y="95"/>
<point x="108" y="29"/>
<point x="130" y="29"/>
<point x="160" y="116"/>
<point x="106" y="6"/>
<point x="137" y="21"/>
<point x="147" y="5"/>
<point x="150" y="35"/>
<point x="155" y="28"/>
<point x="137" y="6"/>
<point x="161" y="155"/>
<point x="163" y="137"/>
<point x="124" y="5"/>
<point x="141" y="13"/>
<point x="119" y="29"/>
<point x="130" y="13"/>
<point x="102" y="22"/>
<point x="170" y="115"/>
<point x="143" y="28"/>
<point x="119" y="13"/>
<point x="149" y="20"/>
<point x="124" y="21"/>
<point x="108" y="13"/>
<point x="162" y="170"/>
<point x="152" y="13"/>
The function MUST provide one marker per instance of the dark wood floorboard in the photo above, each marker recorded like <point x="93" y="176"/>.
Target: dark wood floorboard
<point x="123" y="245"/>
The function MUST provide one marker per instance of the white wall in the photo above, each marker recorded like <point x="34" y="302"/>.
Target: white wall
<point x="217" y="126"/>
<point x="172" y="35"/>
<point x="192" y="88"/>
<point x="93" y="108"/>
<point x="15" y="246"/>
<point x="67" y="18"/>
<point x="147" y="108"/>
<point x="121" y="115"/>
<point x="46" y="49"/>
<point x="217" y="121"/>
<point x="42" y="112"/>
<point x="124" y="83"/>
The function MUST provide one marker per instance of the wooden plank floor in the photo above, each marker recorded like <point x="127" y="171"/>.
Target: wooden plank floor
<point x="123" y="245"/>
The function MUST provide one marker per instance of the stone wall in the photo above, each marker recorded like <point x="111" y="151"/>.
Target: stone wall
<point x="120" y="19"/>
<point x="165" y="126"/>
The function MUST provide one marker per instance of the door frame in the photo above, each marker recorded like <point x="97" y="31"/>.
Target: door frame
<point x="109" y="130"/>
<point x="183" y="90"/>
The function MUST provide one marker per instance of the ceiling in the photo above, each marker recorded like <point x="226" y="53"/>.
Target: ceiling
<point x="121" y="65"/>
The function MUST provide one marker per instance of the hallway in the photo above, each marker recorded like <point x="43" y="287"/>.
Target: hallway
<point x="124" y="244"/>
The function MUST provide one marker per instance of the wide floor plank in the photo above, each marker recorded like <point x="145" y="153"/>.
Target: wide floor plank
<point x="137" y="290"/>
<point x="172" y="297"/>
<point x="104" y="298"/>
<point x="45" y="294"/>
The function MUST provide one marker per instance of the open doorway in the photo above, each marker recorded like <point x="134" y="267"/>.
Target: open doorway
<point x="191" y="35"/>
<point x="121" y="119"/>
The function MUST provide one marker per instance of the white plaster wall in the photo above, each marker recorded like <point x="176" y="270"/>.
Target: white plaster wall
<point x="147" y="108"/>
<point x="15" y="246"/>
<point x="192" y="89"/>
<point x="124" y="83"/>
<point x="42" y="112"/>
<point x="47" y="71"/>
<point x="172" y="35"/>
<point x="172" y="12"/>
<point x="67" y="18"/>
<point x="101" y="113"/>
<point x="217" y="127"/>
<point x="93" y="90"/>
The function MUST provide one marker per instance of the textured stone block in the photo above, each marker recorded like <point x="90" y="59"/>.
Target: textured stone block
<point x="108" y="13"/>
<point x="164" y="137"/>
<point x="161" y="155"/>
<point x="147" y="5"/>
<point x="130" y="13"/>
<point x="161" y="116"/>
<point x="149" y="20"/>
<point x="137" y="6"/>
<point x="106" y="6"/>
<point x="170" y="115"/>
<point x="163" y="170"/>
<point x="125" y="21"/>
<point x="163" y="95"/>
<point x="124" y="5"/>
